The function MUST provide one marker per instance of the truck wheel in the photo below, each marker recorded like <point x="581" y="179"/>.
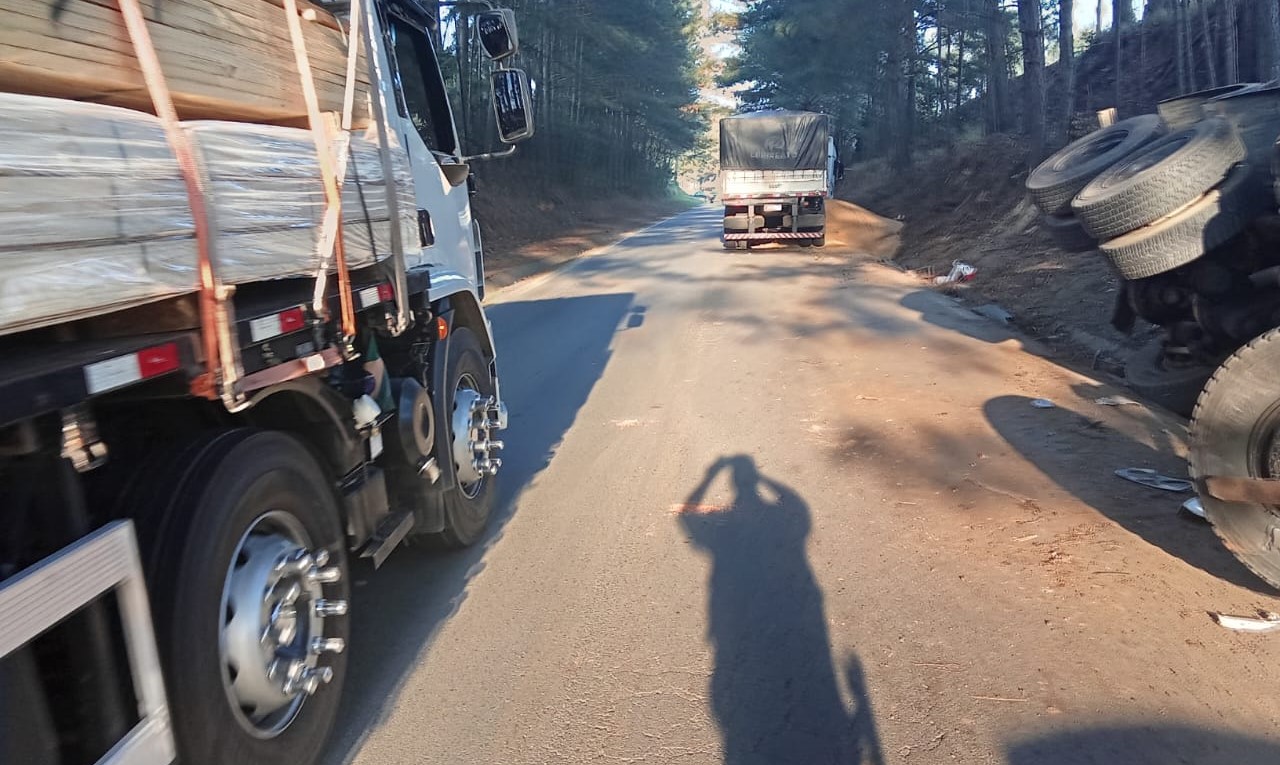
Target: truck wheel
<point x="467" y="505"/>
<point x="1160" y="179"/>
<point x="1235" y="431"/>
<point x="1175" y="387"/>
<point x="1204" y="225"/>
<point x="820" y="241"/>
<point x="1055" y="182"/>
<point x="249" y="583"/>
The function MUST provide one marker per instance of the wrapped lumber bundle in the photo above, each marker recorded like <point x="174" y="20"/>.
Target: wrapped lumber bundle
<point x="223" y="59"/>
<point x="94" y="215"/>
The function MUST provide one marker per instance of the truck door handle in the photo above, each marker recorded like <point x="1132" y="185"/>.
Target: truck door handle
<point x="425" y="234"/>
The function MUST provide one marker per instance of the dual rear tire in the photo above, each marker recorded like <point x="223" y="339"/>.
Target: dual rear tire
<point x="249" y="578"/>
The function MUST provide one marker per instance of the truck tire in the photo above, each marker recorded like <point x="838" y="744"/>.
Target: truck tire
<point x="1056" y="181"/>
<point x="1184" y="111"/>
<point x="1162" y="177"/>
<point x="467" y="505"/>
<point x="1235" y="431"/>
<point x="820" y="241"/>
<point x="226" y="511"/>
<point x="1179" y="239"/>
<point x="1150" y="373"/>
<point x="1068" y="234"/>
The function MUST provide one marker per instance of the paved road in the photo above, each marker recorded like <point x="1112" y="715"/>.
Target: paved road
<point x="766" y="508"/>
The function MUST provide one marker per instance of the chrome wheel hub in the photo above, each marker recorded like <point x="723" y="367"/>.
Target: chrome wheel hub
<point x="272" y="627"/>
<point x="476" y="418"/>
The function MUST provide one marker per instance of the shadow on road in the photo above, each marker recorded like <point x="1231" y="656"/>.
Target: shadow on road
<point x="1145" y="745"/>
<point x="1040" y="435"/>
<point x="774" y="690"/>
<point x="397" y="611"/>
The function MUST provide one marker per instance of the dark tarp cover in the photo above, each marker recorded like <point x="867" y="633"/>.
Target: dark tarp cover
<point x="774" y="140"/>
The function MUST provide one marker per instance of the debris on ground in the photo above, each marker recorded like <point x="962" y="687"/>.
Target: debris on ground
<point x="1151" y="479"/>
<point x="994" y="312"/>
<point x="1116" y="401"/>
<point x="1195" y="508"/>
<point x="960" y="272"/>
<point x="1265" y="621"/>
<point x="1043" y="403"/>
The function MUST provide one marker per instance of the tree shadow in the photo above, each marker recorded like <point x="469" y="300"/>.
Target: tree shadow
<point x="397" y="611"/>
<point x="1145" y="745"/>
<point x="774" y="690"/>
<point x="1148" y="513"/>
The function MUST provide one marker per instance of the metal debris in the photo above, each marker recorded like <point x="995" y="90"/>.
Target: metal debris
<point x="1194" y="507"/>
<point x="1151" y="479"/>
<point x="1116" y="401"/>
<point x="1043" y="403"/>
<point x="1265" y="621"/>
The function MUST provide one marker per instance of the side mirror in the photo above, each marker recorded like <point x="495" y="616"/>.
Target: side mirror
<point x="512" y="105"/>
<point x="497" y="30"/>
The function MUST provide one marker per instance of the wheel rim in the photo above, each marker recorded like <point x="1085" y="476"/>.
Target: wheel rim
<point x="1264" y="447"/>
<point x="271" y="631"/>
<point x="473" y="444"/>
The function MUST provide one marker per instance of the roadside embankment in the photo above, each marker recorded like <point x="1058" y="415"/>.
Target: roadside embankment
<point x="968" y="204"/>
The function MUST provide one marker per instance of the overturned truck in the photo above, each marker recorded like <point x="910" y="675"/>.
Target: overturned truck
<point x="777" y="168"/>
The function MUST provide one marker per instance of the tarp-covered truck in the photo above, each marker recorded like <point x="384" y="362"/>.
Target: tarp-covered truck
<point x="777" y="169"/>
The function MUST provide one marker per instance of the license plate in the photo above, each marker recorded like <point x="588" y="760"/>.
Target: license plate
<point x="772" y="208"/>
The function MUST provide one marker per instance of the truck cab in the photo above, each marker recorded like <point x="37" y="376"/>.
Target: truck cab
<point x="184" y="492"/>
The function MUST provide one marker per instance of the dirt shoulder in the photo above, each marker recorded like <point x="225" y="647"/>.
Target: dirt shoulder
<point x="968" y="204"/>
<point x="524" y="237"/>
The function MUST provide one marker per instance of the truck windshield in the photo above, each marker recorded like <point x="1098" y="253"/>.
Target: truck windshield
<point x="422" y="94"/>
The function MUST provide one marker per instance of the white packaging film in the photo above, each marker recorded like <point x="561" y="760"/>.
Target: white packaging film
<point x="94" y="214"/>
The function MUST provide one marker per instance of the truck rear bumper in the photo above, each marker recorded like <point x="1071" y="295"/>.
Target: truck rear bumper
<point x="771" y="236"/>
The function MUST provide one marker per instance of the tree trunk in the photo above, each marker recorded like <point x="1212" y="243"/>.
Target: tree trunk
<point x="904" y="94"/>
<point x="1179" y="55"/>
<point x="1188" y="40"/>
<point x="1117" y="25"/>
<point x="1067" y="62"/>
<point x="1097" y="24"/>
<point x="1122" y="11"/>
<point x="1230" y="42"/>
<point x="1268" y="39"/>
<point x="1033" y="76"/>
<point x="997" y="67"/>
<point x="1208" y="46"/>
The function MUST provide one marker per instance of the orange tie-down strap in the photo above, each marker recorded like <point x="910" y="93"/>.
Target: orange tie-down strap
<point x="207" y="384"/>
<point x="324" y="154"/>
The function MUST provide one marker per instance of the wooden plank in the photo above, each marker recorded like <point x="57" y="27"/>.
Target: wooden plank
<point x="224" y="59"/>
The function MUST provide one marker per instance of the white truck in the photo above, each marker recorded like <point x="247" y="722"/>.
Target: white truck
<point x="777" y="169"/>
<point x="186" y="480"/>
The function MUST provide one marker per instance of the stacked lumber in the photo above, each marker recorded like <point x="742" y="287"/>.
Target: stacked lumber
<point x="94" y="214"/>
<point x="223" y="59"/>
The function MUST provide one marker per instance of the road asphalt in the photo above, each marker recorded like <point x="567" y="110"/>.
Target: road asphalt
<point x="793" y="506"/>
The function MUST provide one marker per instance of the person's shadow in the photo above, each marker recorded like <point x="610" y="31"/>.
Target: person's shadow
<point x="774" y="690"/>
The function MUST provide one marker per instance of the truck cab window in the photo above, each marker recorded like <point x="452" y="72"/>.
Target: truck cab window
<point x="421" y="90"/>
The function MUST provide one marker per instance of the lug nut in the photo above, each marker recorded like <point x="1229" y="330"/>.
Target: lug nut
<point x="295" y="672"/>
<point x="320" y="558"/>
<point x="313" y="678"/>
<point x="290" y="594"/>
<point x="326" y="608"/>
<point x="321" y="645"/>
<point x="324" y="575"/>
<point x="496" y="446"/>
<point x="298" y="563"/>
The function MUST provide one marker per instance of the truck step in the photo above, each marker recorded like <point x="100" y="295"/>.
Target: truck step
<point x="391" y="532"/>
